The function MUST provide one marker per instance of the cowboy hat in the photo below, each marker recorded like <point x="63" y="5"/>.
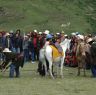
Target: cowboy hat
<point x="40" y="33"/>
<point x="35" y="31"/>
<point x="81" y="37"/>
<point x="58" y="33"/>
<point x="7" y="50"/>
<point x="73" y="34"/>
<point x="46" y="32"/>
<point x="7" y="34"/>
<point x="65" y="35"/>
<point x="89" y="40"/>
<point x="11" y="31"/>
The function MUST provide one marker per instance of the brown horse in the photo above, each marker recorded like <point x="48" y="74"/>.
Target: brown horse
<point x="82" y="54"/>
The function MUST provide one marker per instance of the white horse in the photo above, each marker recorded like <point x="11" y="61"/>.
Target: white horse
<point x="47" y="53"/>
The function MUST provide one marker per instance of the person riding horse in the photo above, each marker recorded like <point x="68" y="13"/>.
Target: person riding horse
<point x="57" y="45"/>
<point x="53" y="56"/>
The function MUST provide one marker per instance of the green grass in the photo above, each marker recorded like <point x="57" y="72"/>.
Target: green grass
<point x="30" y="83"/>
<point x="47" y="14"/>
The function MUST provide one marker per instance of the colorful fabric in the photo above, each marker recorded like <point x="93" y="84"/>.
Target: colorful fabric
<point x="55" y="52"/>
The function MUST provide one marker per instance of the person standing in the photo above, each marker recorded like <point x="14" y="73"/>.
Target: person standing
<point x="1" y="46"/>
<point x="26" y="48"/>
<point x="93" y="58"/>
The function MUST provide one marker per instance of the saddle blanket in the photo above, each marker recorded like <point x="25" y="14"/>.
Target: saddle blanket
<point x="55" y="52"/>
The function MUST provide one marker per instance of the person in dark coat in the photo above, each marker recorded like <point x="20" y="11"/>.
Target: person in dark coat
<point x="16" y="43"/>
<point x="15" y="61"/>
<point x="93" y="58"/>
<point x="1" y="46"/>
<point x="35" y="40"/>
<point x="26" y="48"/>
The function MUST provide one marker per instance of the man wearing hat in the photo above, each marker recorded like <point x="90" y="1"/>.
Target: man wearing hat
<point x="9" y="61"/>
<point x="46" y="32"/>
<point x="26" y="48"/>
<point x="93" y="56"/>
<point x="40" y="43"/>
<point x="34" y="41"/>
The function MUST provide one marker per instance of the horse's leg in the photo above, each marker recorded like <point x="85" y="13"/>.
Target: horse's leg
<point x="57" y="66"/>
<point x="78" y="71"/>
<point x="61" y="72"/>
<point x="84" y="68"/>
<point x="46" y="72"/>
<point x="84" y="72"/>
<point x="50" y="69"/>
<point x="78" y="74"/>
<point x="44" y="62"/>
<point x="61" y="67"/>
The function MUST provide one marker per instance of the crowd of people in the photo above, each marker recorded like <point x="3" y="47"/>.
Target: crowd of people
<point x="29" y="44"/>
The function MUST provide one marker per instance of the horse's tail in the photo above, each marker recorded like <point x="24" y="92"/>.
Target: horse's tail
<point x="41" y="69"/>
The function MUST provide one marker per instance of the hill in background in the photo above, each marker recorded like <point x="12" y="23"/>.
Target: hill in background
<point x="55" y="15"/>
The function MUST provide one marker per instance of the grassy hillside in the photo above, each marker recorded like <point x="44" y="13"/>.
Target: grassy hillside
<point x="55" y="15"/>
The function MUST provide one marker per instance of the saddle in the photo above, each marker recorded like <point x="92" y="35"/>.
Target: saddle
<point x="55" y="52"/>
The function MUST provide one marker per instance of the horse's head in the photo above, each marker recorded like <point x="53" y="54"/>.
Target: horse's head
<point x="65" y="44"/>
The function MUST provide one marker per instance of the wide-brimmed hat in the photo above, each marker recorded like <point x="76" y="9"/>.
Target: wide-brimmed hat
<point x="35" y="31"/>
<point x="80" y="37"/>
<point x="57" y="33"/>
<point x="49" y="36"/>
<point x="7" y="50"/>
<point x="46" y="32"/>
<point x="65" y="35"/>
<point x="11" y="32"/>
<point x="40" y="33"/>
<point x="89" y="40"/>
<point x="7" y="34"/>
<point x="73" y="34"/>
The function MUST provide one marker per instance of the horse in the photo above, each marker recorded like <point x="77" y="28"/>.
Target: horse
<point x="83" y="56"/>
<point x="47" y="54"/>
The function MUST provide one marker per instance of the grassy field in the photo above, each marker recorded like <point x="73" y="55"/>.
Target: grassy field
<point x="48" y="14"/>
<point x="30" y="83"/>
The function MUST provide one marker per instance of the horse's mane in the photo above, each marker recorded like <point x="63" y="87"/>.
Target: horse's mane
<point x="65" y="44"/>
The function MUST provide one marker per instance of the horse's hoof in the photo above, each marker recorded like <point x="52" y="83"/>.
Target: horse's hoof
<point x="53" y="78"/>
